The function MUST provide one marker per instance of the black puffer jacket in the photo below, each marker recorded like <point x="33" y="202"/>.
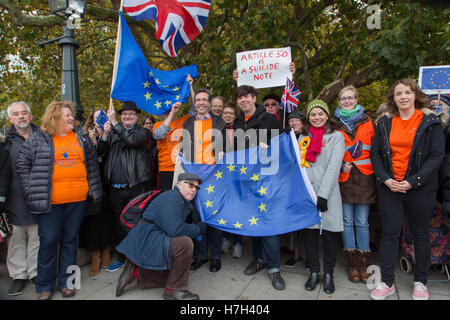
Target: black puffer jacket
<point x="132" y="144"/>
<point x="34" y="166"/>
<point x="425" y="158"/>
<point x="5" y="169"/>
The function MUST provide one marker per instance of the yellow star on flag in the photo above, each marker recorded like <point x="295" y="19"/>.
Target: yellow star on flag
<point x="238" y="225"/>
<point x="255" y="177"/>
<point x="146" y="84"/>
<point x="168" y="103"/>
<point x="208" y="203"/>
<point x="243" y="170"/>
<point x="150" y="74"/>
<point x="262" y="190"/>
<point x="262" y="207"/>
<point x="215" y="212"/>
<point x="210" y="189"/>
<point x="218" y="175"/>
<point x="158" y="104"/>
<point x="253" y="221"/>
<point x="148" y="96"/>
<point x="230" y="167"/>
<point x="177" y="97"/>
<point x="157" y="81"/>
<point x="176" y="89"/>
<point x="221" y="221"/>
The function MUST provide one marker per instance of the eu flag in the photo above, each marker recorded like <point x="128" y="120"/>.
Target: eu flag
<point x="153" y="91"/>
<point x="356" y="150"/>
<point x="435" y="79"/>
<point x="266" y="194"/>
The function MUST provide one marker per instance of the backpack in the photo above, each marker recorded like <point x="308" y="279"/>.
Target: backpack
<point x="131" y="214"/>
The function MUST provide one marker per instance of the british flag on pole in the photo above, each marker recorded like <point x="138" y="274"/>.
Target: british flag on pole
<point x="178" y="22"/>
<point x="291" y="94"/>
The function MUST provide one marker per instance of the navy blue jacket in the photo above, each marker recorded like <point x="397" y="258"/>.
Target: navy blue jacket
<point x="149" y="244"/>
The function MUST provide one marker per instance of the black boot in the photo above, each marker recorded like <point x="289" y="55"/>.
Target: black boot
<point x="328" y="284"/>
<point x="312" y="282"/>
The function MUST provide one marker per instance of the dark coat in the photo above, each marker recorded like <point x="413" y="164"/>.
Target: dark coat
<point x="187" y="144"/>
<point x="426" y="154"/>
<point x="149" y="244"/>
<point x="359" y="188"/>
<point x="17" y="211"/>
<point x="34" y="166"/>
<point x="5" y="169"/>
<point x="133" y="146"/>
<point x="260" y="120"/>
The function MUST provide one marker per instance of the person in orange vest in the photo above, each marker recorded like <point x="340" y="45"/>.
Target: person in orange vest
<point x="356" y="181"/>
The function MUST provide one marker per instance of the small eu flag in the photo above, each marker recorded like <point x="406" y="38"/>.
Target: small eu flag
<point x="356" y="150"/>
<point x="435" y="79"/>
<point x="260" y="197"/>
<point x="101" y="119"/>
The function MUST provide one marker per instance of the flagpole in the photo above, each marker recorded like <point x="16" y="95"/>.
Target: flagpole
<point x="111" y="104"/>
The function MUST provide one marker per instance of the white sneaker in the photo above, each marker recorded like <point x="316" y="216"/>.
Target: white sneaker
<point x="226" y="245"/>
<point x="420" y="291"/>
<point x="382" y="291"/>
<point x="237" y="250"/>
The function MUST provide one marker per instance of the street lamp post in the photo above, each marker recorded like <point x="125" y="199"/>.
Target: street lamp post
<point x="72" y="11"/>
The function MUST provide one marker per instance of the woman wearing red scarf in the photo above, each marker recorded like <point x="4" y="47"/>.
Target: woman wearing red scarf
<point x="324" y="155"/>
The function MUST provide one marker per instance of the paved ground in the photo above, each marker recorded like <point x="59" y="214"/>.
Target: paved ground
<point x="230" y="283"/>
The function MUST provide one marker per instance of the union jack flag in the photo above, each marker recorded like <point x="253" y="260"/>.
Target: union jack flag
<point x="290" y="97"/>
<point x="178" y="22"/>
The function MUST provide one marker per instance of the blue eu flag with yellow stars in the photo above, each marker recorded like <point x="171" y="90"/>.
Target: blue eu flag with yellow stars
<point x="154" y="91"/>
<point x="435" y="79"/>
<point x="257" y="192"/>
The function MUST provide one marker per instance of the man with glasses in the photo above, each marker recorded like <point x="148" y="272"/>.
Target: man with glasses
<point x="272" y="104"/>
<point x="127" y="166"/>
<point x="159" y="249"/>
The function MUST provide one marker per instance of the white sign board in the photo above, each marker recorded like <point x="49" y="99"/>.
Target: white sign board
<point x="264" y="68"/>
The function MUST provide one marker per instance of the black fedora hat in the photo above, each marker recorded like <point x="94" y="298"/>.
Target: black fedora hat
<point x="129" y="105"/>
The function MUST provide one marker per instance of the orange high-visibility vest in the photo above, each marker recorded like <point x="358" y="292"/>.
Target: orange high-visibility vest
<point x="365" y="134"/>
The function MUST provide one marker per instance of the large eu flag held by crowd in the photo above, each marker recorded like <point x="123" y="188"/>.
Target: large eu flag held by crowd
<point x="267" y="194"/>
<point x="154" y="91"/>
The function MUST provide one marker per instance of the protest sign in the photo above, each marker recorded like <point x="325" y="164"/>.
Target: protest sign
<point x="264" y="68"/>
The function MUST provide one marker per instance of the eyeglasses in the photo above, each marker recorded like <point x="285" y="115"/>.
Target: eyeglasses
<point x="347" y="98"/>
<point x="129" y="114"/>
<point x="228" y="113"/>
<point x="273" y="104"/>
<point x="192" y="186"/>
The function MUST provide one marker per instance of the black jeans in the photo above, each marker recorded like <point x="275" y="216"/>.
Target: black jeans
<point x="417" y="205"/>
<point x="118" y="199"/>
<point x="311" y="242"/>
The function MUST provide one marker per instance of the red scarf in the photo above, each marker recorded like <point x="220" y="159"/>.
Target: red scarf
<point x="316" y="143"/>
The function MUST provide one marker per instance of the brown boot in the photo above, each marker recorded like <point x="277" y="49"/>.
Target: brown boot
<point x="364" y="263"/>
<point x="106" y="260"/>
<point x="353" y="268"/>
<point x="95" y="263"/>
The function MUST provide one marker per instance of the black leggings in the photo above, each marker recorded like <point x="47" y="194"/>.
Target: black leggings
<point x="311" y="242"/>
<point x="417" y="205"/>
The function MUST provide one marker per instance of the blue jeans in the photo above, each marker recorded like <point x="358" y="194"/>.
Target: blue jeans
<point x="356" y="216"/>
<point x="267" y="249"/>
<point x="58" y="227"/>
<point x="234" y="238"/>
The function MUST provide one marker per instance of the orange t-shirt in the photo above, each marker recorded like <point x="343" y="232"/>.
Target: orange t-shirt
<point x="247" y="117"/>
<point x="401" y="140"/>
<point x="69" y="180"/>
<point x="203" y="142"/>
<point x="165" y="146"/>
